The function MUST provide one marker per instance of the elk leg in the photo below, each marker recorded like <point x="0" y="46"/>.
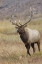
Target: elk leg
<point x="32" y="45"/>
<point x="28" y="47"/>
<point x="38" y="43"/>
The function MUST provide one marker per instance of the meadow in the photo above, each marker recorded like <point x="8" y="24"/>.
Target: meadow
<point x="12" y="49"/>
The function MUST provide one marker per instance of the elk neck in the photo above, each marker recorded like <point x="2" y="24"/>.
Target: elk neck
<point x="24" y="37"/>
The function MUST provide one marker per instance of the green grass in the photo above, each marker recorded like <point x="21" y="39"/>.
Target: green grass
<point x="37" y="54"/>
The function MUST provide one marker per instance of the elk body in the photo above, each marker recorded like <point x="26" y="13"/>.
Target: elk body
<point x="28" y="36"/>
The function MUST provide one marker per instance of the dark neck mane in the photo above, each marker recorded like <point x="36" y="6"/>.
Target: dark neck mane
<point x="24" y="37"/>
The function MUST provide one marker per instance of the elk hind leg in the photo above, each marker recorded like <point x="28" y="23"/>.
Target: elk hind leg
<point x="38" y="43"/>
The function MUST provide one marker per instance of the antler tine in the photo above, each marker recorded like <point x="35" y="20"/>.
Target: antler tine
<point x="19" y="23"/>
<point x="14" y="23"/>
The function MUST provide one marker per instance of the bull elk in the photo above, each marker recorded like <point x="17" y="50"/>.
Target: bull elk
<point x="28" y="36"/>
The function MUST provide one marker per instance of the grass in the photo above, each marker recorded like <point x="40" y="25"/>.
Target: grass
<point x="9" y="36"/>
<point x="11" y="57"/>
<point x="37" y="54"/>
<point x="23" y="60"/>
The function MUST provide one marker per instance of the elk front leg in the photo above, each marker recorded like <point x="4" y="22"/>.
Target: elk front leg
<point x="32" y="45"/>
<point x="28" y="47"/>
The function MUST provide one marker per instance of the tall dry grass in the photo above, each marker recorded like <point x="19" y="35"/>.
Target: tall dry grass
<point x="12" y="50"/>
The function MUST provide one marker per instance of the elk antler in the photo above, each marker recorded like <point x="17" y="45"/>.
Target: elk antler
<point x="29" y="19"/>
